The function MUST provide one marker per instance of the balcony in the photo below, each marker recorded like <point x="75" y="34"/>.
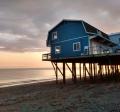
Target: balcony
<point x="46" y="57"/>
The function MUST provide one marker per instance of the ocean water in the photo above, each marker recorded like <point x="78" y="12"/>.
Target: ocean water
<point x="18" y="76"/>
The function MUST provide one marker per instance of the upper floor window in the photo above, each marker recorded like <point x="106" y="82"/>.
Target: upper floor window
<point x="54" y="35"/>
<point x="119" y="41"/>
<point x="57" y="50"/>
<point x="76" y="46"/>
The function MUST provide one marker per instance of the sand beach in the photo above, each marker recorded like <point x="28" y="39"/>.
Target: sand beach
<point x="49" y="97"/>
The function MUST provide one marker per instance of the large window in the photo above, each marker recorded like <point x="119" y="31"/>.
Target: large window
<point x="76" y="46"/>
<point x="54" y="35"/>
<point x="57" y="50"/>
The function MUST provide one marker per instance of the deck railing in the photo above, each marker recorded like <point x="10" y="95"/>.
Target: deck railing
<point x="99" y="50"/>
<point x="46" y="56"/>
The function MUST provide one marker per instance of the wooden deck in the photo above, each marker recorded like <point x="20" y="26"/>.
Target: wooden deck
<point x="112" y="58"/>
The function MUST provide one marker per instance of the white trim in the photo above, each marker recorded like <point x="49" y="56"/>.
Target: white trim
<point x="70" y="39"/>
<point x="84" y="27"/>
<point x="86" y="30"/>
<point x="91" y="33"/>
<point x="89" y="40"/>
<point x="91" y="37"/>
<point x="75" y="43"/>
<point x="59" y="49"/>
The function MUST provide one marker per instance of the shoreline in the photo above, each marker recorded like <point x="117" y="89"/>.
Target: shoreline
<point x="24" y="82"/>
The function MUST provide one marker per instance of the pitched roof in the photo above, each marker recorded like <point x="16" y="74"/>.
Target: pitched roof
<point x="65" y="20"/>
<point x="87" y="27"/>
<point x="112" y="34"/>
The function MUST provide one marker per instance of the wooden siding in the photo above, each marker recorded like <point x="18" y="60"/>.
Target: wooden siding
<point x="68" y="33"/>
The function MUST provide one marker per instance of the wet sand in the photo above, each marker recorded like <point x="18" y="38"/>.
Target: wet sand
<point x="49" y="97"/>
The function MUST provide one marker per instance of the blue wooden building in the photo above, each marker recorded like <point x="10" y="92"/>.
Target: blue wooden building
<point x="73" y="38"/>
<point x="75" y="42"/>
<point x="115" y="37"/>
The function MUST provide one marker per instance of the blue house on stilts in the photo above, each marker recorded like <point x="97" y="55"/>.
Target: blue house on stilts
<point x="77" y="42"/>
<point x="73" y="38"/>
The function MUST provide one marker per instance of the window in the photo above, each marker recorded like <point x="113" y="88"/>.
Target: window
<point x="54" y="35"/>
<point x="86" y="50"/>
<point x="57" y="50"/>
<point x="76" y="46"/>
<point x="119" y="41"/>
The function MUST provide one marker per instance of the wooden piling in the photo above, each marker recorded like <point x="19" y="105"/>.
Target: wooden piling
<point x="64" y="79"/>
<point x="56" y="71"/>
<point x="80" y="70"/>
<point x="94" y="71"/>
<point x="74" y="72"/>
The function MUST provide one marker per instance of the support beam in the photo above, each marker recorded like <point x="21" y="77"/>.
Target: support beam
<point x="88" y="71"/>
<point x="58" y="69"/>
<point x="94" y="70"/>
<point x="71" y="71"/>
<point x="100" y="71"/>
<point x="91" y="70"/>
<point x="69" y="67"/>
<point x="64" y="79"/>
<point x="56" y="72"/>
<point x="84" y="71"/>
<point x="106" y="74"/>
<point x="80" y="70"/>
<point x="74" y="72"/>
<point x="108" y="70"/>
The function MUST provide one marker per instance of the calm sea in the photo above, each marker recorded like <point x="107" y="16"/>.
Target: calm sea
<point x="10" y="77"/>
<point x="18" y="76"/>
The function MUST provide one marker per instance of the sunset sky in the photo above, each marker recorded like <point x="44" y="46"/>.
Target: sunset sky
<point x="24" y="25"/>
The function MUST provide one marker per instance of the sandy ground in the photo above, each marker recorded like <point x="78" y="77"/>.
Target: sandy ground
<point x="49" y="97"/>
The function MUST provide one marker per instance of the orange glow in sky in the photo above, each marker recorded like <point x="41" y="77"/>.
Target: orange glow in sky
<point x="22" y="60"/>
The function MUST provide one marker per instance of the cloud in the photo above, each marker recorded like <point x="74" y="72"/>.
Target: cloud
<point x="24" y="23"/>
